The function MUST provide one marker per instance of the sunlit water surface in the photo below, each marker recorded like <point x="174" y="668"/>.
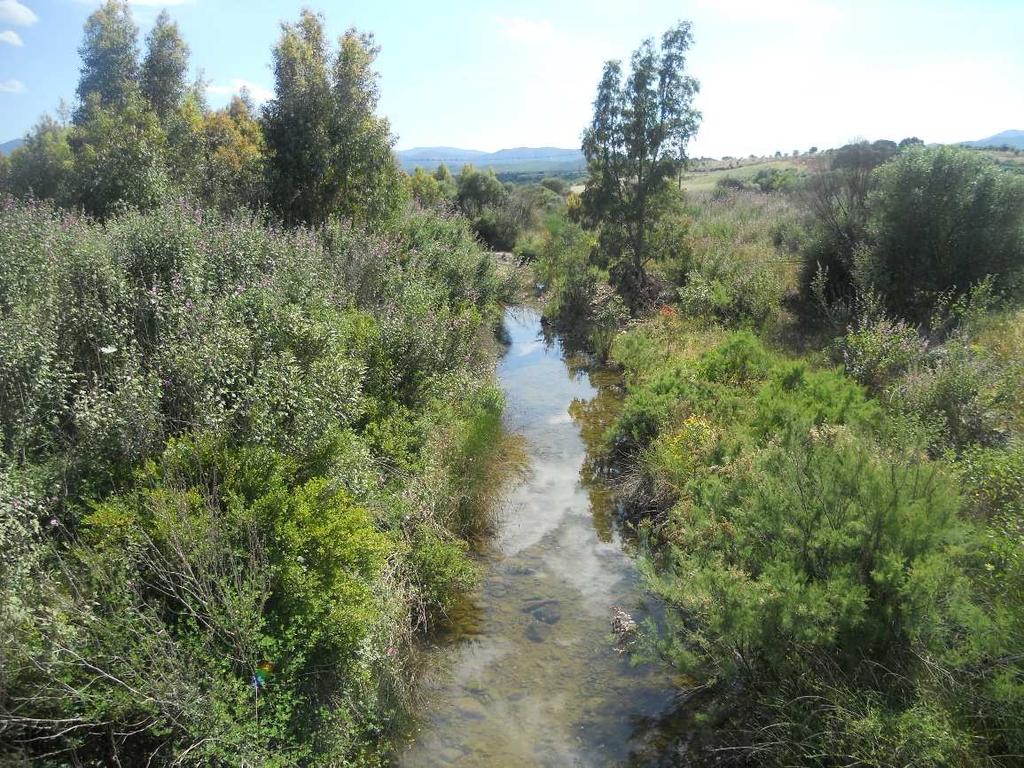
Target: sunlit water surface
<point x="530" y="676"/>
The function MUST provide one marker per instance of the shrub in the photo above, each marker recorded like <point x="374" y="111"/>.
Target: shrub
<point x="823" y="593"/>
<point x="730" y="268"/>
<point x="878" y="350"/>
<point x="942" y="219"/>
<point x="564" y="268"/>
<point x="820" y="550"/>
<point x="558" y="186"/>
<point x="731" y="292"/>
<point x="220" y="564"/>
<point x="770" y="180"/>
<point x="255" y="446"/>
<point x="960" y="394"/>
<point x="926" y="223"/>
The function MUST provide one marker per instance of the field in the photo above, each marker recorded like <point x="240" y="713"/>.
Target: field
<point x="706" y="175"/>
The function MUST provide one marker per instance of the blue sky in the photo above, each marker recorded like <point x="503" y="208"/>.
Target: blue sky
<point x="776" y="75"/>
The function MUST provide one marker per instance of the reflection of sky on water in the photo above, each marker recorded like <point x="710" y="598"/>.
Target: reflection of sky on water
<point x="541" y="682"/>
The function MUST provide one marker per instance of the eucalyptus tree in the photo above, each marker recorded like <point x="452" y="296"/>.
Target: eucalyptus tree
<point x="110" y="58"/>
<point x="329" y="151"/>
<point x="164" y="67"/>
<point x="635" y="147"/>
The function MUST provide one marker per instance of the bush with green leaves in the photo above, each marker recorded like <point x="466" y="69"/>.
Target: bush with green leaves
<point x="770" y="180"/>
<point x="963" y="396"/>
<point x="229" y="444"/>
<point x="826" y="593"/>
<point x="942" y="219"/>
<point x="563" y="267"/>
<point x="928" y="222"/>
<point x="877" y="350"/>
<point x="732" y="268"/>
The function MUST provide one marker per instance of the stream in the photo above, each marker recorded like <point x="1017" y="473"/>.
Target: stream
<point x="530" y="674"/>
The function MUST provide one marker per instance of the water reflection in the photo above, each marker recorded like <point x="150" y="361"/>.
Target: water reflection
<point x="533" y="676"/>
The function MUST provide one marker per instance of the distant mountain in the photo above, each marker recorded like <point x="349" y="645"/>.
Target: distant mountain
<point x="1013" y="139"/>
<point x="9" y="146"/>
<point x="438" y="155"/>
<point x="521" y="154"/>
<point x="536" y="159"/>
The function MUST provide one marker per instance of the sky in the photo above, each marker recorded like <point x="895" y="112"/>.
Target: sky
<point x="776" y="75"/>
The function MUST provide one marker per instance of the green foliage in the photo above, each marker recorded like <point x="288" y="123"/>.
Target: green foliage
<point x="760" y="395"/>
<point x="428" y="191"/>
<point x="220" y="561"/>
<point x="823" y="587"/>
<point x="235" y="158"/>
<point x="635" y="147"/>
<point x="877" y="350"/>
<point x="329" y="151"/>
<point x="478" y="190"/>
<point x="162" y="76"/>
<point x="731" y="292"/>
<point x="960" y="393"/>
<point x="141" y="137"/>
<point x="499" y="214"/>
<point x="119" y="158"/>
<point x="927" y="222"/>
<point x="863" y="156"/>
<point x="42" y="166"/>
<point x="776" y="180"/>
<point x="558" y="186"/>
<point x="942" y="219"/>
<point x="726" y="257"/>
<point x="562" y="265"/>
<point x="807" y="550"/>
<point x="110" y="58"/>
<point x="255" y="446"/>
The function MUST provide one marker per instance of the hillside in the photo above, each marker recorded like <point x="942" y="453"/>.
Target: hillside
<point x="514" y="160"/>
<point x="1013" y="139"/>
<point x="9" y="146"/>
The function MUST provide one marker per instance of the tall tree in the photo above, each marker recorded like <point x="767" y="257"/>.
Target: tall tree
<point x="164" y="67"/>
<point x="110" y="57"/>
<point x="236" y="156"/>
<point x="119" y="159"/>
<point x="635" y="146"/>
<point x="297" y="121"/>
<point x="365" y="181"/>
<point x="330" y="153"/>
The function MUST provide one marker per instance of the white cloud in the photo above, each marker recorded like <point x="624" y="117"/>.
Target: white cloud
<point x="11" y="37"/>
<point x="12" y="86"/>
<point x="259" y="93"/>
<point x="13" y="12"/>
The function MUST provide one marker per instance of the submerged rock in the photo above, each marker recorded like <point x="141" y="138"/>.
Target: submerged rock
<point x="625" y="629"/>
<point x="547" y="611"/>
<point x="537" y="632"/>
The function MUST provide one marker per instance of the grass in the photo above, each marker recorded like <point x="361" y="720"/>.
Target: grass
<point x="707" y="175"/>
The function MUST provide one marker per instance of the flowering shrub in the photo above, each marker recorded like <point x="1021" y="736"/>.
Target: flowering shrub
<point x="229" y="448"/>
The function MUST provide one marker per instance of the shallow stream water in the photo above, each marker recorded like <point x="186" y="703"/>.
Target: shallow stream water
<point x="530" y="674"/>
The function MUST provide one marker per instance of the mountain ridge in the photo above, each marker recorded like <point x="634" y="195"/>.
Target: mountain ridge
<point x="429" y="158"/>
<point x="1011" y="138"/>
<point x="9" y="146"/>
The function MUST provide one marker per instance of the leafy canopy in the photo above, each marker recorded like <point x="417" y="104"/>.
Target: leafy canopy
<point x="635" y="146"/>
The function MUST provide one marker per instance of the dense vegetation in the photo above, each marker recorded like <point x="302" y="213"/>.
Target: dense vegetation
<point x="246" y="409"/>
<point x="820" y="437"/>
<point x="247" y="413"/>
